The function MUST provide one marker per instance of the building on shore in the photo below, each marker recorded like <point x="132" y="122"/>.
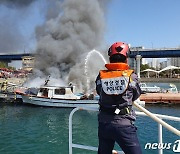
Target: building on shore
<point x="163" y="64"/>
<point x="174" y="61"/>
<point x="144" y="61"/>
<point x="28" y="63"/>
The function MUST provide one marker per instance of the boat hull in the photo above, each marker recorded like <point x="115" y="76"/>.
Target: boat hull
<point x="51" y="102"/>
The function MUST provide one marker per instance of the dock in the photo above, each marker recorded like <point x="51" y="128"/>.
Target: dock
<point x="10" y="97"/>
<point x="163" y="98"/>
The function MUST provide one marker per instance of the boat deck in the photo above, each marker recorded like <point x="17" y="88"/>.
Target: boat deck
<point x="152" y="98"/>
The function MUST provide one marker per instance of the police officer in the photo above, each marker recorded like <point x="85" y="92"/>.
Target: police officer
<point x="117" y="87"/>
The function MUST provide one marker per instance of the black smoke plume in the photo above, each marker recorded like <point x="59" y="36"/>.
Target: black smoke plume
<point x="76" y="27"/>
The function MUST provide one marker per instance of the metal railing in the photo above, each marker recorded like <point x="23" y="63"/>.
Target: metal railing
<point x="85" y="147"/>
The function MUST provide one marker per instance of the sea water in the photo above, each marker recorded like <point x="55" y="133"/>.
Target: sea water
<point x="41" y="130"/>
<point x="28" y="129"/>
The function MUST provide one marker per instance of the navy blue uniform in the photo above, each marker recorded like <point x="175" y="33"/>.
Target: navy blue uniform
<point x="118" y="127"/>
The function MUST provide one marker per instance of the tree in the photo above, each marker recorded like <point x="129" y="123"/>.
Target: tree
<point x="5" y="65"/>
<point x="144" y="67"/>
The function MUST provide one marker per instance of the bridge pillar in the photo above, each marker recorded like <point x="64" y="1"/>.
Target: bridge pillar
<point x="138" y="59"/>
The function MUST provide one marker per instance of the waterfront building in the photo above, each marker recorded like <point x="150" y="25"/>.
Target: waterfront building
<point x="175" y="62"/>
<point x="155" y="63"/>
<point x="163" y="64"/>
<point x="144" y="61"/>
<point x="28" y="63"/>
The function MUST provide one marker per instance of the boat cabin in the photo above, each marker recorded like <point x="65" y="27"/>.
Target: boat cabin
<point x="146" y="88"/>
<point x="57" y="92"/>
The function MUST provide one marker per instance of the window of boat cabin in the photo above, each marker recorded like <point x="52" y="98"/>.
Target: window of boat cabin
<point x="44" y="91"/>
<point x="60" y="91"/>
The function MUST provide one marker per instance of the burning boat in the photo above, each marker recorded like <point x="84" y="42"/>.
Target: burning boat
<point x="55" y="96"/>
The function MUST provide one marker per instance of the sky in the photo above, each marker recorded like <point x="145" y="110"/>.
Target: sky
<point x="148" y="23"/>
<point x="151" y="24"/>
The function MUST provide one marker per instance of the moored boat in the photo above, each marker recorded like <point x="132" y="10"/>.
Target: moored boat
<point x="55" y="96"/>
<point x="149" y="89"/>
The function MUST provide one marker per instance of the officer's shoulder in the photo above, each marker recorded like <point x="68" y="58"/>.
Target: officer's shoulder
<point x="134" y="77"/>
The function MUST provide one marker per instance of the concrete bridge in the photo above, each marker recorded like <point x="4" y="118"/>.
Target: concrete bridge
<point x="13" y="56"/>
<point x="145" y="53"/>
<point x="155" y="53"/>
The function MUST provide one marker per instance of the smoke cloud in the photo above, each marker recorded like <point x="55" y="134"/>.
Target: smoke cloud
<point x="16" y="3"/>
<point x="10" y="40"/>
<point x="12" y="13"/>
<point x="72" y="29"/>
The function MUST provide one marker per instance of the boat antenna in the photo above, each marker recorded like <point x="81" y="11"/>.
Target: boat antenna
<point x="70" y="84"/>
<point x="47" y="80"/>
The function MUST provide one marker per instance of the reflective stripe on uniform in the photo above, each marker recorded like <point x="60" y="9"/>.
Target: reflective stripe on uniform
<point x="115" y="82"/>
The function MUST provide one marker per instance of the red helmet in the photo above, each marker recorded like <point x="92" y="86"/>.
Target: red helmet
<point x="118" y="48"/>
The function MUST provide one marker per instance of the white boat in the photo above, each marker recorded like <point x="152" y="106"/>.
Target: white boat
<point x="54" y="96"/>
<point x="150" y="89"/>
<point x="172" y="88"/>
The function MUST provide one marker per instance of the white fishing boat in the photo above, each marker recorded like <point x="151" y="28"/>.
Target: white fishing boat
<point x="53" y="96"/>
<point x="149" y="89"/>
